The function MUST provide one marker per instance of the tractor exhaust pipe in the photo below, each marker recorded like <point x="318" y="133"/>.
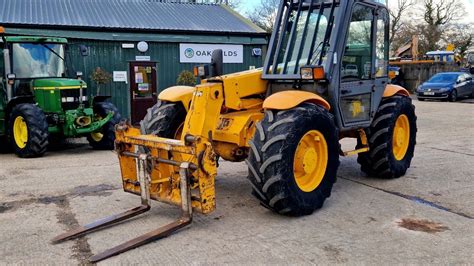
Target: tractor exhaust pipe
<point x="217" y="63"/>
<point x="83" y="121"/>
<point x="6" y="60"/>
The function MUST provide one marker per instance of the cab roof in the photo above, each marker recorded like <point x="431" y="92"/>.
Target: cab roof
<point x="35" y="39"/>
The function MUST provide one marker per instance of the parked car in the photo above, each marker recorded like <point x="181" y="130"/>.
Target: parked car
<point x="449" y="86"/>
<point x="350" y="71"/>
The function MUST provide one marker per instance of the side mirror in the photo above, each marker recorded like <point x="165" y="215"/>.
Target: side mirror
<point x="79" y="74"/>
<point x="11" y="78"/>
<point x="217" y="63"/>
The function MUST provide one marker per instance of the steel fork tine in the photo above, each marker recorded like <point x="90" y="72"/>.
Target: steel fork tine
<point x="100" y="224"/>
<point x="164" y="231"/>
<point x="159" y="233"/>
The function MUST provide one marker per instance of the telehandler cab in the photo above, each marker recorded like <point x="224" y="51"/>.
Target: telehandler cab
<point x="284" y="120"/>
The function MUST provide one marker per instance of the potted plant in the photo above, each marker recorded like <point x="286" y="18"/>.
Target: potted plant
<point x="100" y="77"/>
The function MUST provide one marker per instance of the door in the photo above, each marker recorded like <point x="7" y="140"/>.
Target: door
<point x="357" y="77"/>
<point x="464" y="85"/>
<point x="471" y="84"/>
<point x="143" y="88"/>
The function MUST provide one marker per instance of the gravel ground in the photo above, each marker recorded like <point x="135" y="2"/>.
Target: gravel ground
<point x="423" y="218"/>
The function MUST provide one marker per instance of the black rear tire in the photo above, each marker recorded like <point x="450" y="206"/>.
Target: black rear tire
<point x="163" y="119"/>
<point x="104" y="139"/>
<point x="272" y="155"/>
<point x="380" y="161"/>
<point x="37" y="130"/>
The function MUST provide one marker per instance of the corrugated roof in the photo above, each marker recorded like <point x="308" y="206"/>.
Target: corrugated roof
<point x="124" y="14"/>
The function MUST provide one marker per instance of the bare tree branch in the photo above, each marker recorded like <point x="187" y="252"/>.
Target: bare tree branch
<point x="264" y="15"/>
<point x="397" y="14"/>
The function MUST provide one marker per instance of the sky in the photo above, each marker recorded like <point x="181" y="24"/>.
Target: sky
<point x="247" y="5"/>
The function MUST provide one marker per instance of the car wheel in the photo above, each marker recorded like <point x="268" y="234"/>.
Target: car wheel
<point x="454" y="96"/>
<point x="421" y="99"/>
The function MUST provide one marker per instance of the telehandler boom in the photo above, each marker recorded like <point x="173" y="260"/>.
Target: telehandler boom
<point x="325" y="78"/>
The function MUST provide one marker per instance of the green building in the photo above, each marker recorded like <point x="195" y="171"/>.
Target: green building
<point x="144" y="44"/>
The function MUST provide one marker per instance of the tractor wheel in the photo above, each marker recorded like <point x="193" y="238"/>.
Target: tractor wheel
<point x="28" y="131"/>
<point x="392" y="139"/>
<point x="164" y="119"/>
<point x="294" y="159"/>
<point x="104" y="138"/>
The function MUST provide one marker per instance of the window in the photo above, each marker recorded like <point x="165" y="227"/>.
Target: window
<point x="2" y="67"/>
<point x="381" y="49"/>
<point x="357" y="60"/>
<point x="38" y="60"/>
<point x="301" y="38"/>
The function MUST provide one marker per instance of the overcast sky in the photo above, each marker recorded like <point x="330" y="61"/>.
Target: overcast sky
<point x="469" y="4"/>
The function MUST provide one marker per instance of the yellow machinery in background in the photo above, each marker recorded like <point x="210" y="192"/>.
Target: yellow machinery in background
<point x="285" y="120"/>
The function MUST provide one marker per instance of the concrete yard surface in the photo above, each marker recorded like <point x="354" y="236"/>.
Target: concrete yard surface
<point x="424" y="217"/>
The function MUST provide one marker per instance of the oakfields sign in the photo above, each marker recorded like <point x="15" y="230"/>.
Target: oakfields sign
<point x="201" y="53"/>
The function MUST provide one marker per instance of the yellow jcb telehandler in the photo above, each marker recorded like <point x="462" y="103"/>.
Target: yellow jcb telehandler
<point x="325" y="78"/>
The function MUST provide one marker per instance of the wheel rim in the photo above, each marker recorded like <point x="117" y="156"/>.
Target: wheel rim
<point x="310" y="162"/>
<point x="97" y="136"/>
<point x="20" y="132"/>
<point x="401" y="137"/>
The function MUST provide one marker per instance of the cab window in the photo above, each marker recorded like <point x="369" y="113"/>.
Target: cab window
<point x="2" y="67"/>
<point x="381" y="49"/>
<point x="357" y="60"/>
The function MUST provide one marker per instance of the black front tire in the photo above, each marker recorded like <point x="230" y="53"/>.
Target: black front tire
<point x="453" y="97"/>
<point x="104" y="139"/>
<point x="163" y="119"/>
<point x="37" y="130"/>
<point x="272" y="155"/>
<point x="380" y="160"/>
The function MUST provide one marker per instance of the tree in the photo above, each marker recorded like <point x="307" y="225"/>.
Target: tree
<point x="435" y="22"/>
<point x="438" y="16"/>
<point x="397" y="13"/>
<point x="461" y="36"/>
<point x="264" y="15"/>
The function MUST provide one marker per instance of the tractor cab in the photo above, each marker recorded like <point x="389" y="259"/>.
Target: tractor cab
<point x="36" y="64"/>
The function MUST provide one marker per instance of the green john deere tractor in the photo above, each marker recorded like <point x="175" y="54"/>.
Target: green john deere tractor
<point x="39" y="106"/>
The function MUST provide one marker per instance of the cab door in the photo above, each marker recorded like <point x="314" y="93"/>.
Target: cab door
<point x="2" y="91"/>
<point x="357" y="68"/>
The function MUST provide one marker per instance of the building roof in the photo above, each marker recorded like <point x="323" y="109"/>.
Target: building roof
<point x="124" y="15"/>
